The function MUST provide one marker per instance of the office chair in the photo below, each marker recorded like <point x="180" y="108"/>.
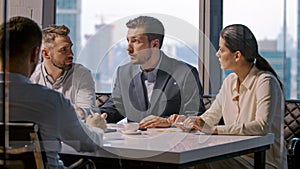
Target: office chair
<point x="101" y="98"/>
<point x="292" y="132"/>
<point x="24" y="149"/>
<point x="208" y="100"/>
<point x="83" y="163"/>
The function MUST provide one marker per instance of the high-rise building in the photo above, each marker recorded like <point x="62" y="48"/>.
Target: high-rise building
<point x="68" y="13"/>
<point x="276" y="59"/>
<point x="272" y="52"/>
<point x="100" y="56"/>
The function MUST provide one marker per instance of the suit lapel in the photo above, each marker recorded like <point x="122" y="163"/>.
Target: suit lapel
<point x="159" y="86"/>
<point x="162" y="79"/>
<point x="138" y="93"/>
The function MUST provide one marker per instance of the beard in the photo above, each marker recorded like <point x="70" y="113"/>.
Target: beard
<point x="61" y="66"/>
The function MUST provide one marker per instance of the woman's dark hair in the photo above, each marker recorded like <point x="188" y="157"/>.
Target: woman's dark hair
<point x="239" y="37"/>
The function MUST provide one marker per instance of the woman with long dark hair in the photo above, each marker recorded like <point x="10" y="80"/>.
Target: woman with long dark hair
<point x="251" y="99"/>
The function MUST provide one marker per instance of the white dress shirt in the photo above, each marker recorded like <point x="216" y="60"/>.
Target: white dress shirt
<point x="76" y="84"/>
<point x="257" y="108"/>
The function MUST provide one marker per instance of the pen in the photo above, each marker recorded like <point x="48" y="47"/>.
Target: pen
<point x="92" y="112"/>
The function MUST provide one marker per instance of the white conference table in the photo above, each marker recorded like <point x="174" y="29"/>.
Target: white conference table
<point x="174" y="148"/>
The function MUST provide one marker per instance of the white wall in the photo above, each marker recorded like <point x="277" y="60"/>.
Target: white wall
<point x="29" y="8"/>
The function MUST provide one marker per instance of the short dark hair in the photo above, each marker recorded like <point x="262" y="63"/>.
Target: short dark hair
<point x="153" y="28"/>
<point x="20" y="35"/>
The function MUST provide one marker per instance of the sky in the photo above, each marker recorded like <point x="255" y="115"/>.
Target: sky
<point x="98" y="11"/>
<point x="263" y="17"/>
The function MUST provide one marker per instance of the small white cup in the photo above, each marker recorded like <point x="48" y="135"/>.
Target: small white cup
<point x="131" y="126"/>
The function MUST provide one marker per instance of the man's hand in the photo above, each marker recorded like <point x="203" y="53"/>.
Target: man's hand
<point x="104" y="115"/>
<point x="154" y="121"/>
<point x="97" y="120"/>
<point x="80" y="112"/>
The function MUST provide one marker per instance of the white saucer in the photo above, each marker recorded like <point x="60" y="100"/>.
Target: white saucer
<point x="137" y="132"/>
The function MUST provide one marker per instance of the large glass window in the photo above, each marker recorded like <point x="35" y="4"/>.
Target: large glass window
<point x="103" y="33"/>
<point x="101" y="42"/>
<point x="276" y="31"/>
<point x="68" y="12"/>
<point x="66" y="4"/>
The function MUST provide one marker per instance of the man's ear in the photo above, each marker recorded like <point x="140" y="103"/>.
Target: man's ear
<point x="155" y="43"/>
<point x="45" y="53"/>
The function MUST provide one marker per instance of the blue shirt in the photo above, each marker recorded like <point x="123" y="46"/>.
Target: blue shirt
<point x="54" y="114"/>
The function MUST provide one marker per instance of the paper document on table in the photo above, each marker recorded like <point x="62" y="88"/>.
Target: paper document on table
<point x="123" y="121"/>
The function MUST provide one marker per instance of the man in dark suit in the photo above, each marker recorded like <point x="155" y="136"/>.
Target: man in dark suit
<point x="152" y="86"/>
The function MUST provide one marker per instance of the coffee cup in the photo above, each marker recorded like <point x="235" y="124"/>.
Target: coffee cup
<point x="131" y="126"/>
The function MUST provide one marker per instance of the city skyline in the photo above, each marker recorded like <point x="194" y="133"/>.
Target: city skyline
<point x="274" y="35"/>
<point x="234" y="11"/>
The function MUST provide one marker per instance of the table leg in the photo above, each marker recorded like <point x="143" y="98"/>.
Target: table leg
<point x="260" y="159"/>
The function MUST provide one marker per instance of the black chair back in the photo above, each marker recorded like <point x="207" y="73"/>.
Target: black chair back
<point x="292" y="132"/>
<point x="101" y="98"/>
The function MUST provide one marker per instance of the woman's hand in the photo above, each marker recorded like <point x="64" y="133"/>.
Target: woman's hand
<point x="192" y="122"/>
<point x="176" y="118"/>
<point x="197" y="123"/>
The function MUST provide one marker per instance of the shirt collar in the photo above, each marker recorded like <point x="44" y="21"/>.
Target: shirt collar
<point x="49" y="78"/>
<point x="250" y="78"/>
<point x="247" y="83"/>
<point x="151" y="76"/>
<point x="157" y="66"/>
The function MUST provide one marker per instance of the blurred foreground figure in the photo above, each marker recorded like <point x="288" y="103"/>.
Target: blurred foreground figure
<point x="50" y="110"/>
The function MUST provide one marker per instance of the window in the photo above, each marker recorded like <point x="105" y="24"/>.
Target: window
<point x="66" y="4"/>
<point x="277" y="42"/>
<point x="103" y="32"/>
<point x="265" y="18"/>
